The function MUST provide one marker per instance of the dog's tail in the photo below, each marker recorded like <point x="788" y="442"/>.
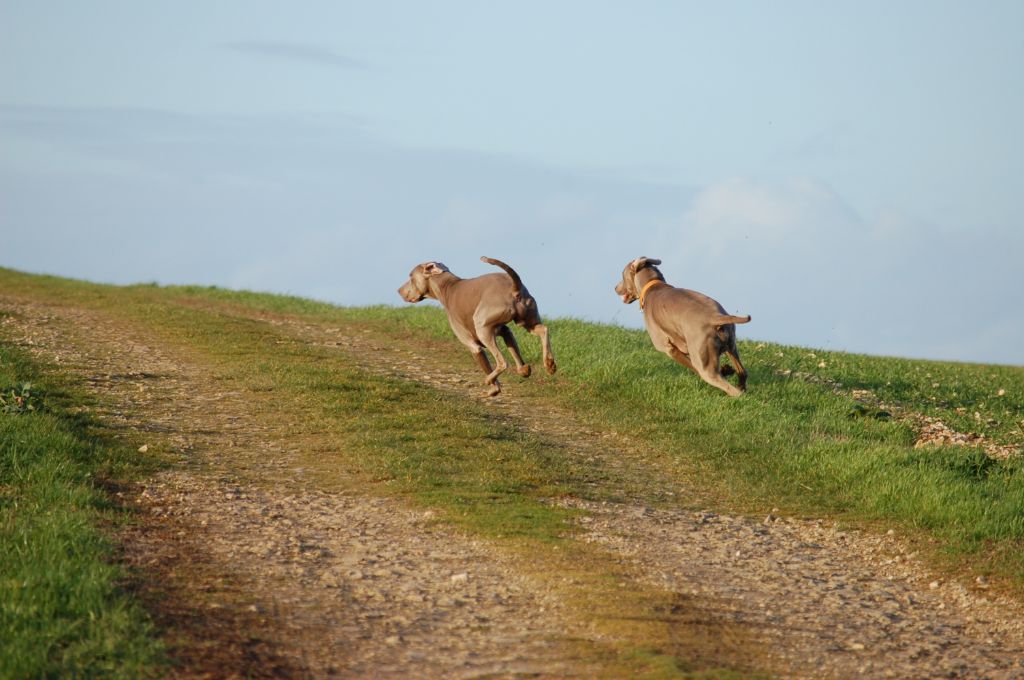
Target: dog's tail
<point x="516" y="281"/>
<point x="723" y="319"/>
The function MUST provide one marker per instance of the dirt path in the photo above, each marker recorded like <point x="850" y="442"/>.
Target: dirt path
<point x="827" y="603"/>
<point x="260" y="573"/>
<point x="267" y="576"/>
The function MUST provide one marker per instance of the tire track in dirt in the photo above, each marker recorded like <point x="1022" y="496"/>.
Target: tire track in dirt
<point x="825" y="602"/>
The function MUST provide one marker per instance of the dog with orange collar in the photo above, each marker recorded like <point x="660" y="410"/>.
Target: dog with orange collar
<point x="688" y="326"/>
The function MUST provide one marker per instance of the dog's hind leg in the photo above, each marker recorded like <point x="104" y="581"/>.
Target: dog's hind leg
<point x="541" y="331"/>
<point x="734" y="357"/>
<point x="707" y="368"/>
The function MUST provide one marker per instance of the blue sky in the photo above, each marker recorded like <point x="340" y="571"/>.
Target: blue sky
<point x="848" y="173"/>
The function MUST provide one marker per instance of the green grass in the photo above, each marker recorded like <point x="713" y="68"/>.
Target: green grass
<point x="62" y="610"/>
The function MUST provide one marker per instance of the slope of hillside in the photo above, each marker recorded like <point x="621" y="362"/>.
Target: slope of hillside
<point x="338" y="498"/>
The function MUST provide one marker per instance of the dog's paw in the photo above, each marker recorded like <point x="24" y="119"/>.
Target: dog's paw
<point x="524" y="370"/>
<point x="549" y="364"/>
<point x="493" y="390"/>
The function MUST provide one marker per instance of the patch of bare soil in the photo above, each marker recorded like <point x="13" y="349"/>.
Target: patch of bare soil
<point x="931" y="431"/>
<point x="825" y="602"/>
<point x="356" y="586"/>
<point x="313" y="583"/>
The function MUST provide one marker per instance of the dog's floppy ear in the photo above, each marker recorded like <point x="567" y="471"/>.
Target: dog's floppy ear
<point x="431" y="268"/>
<point x="641" y="262"/>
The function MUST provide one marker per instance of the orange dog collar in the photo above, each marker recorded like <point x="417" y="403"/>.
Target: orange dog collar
<point x="647" y="287"/>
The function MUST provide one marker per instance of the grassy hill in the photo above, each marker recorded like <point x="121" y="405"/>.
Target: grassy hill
<point x="821" y="434"/>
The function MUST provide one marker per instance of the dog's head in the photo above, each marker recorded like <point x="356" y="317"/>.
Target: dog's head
<point x="627" y="288"/>
<point x="418" y="286"/>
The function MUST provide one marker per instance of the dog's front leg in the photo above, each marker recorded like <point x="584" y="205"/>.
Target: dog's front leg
<point x="489" y="340"/>
<point x="485" y="366"/>
<point x="708" y="368"/>
<point x="684" y="359"/>
<point x="513" y="348"/>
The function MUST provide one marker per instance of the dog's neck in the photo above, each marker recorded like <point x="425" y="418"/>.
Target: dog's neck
<point x="644" y="276"/>
<point x="647" y="287"/>
<point x="440" y="286"/>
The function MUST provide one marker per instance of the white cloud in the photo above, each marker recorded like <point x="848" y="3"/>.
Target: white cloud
<point x="765" y="214"/>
